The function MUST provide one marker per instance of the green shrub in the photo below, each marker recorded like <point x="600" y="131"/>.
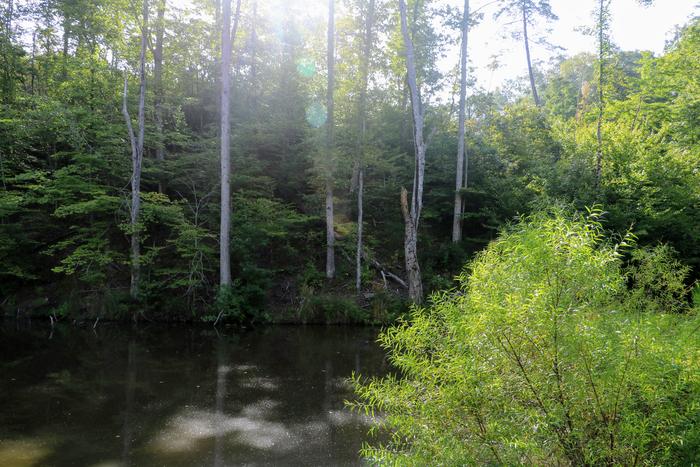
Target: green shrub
<point x="659" y="279"/>
<point x="541" y="356"/>
<point x="242" y="303"/>
<point x="386" y="307"/>
<point x="330" y="309"/>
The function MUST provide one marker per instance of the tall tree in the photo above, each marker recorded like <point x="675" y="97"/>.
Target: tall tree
<point x="137" y="156"/>
<point x="412" y="213"/>
<point x="362" y="129"/>
<point x="330" y="232"/>
<point x="225" y="224"/>
<point x="462" y="163"/>
<point x="527" y="11"/>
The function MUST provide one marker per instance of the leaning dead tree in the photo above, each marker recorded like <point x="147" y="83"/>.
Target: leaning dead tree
<point x="411" y="213"/>
<point x="137" y="156"/>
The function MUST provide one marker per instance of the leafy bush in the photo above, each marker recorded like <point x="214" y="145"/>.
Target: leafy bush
<point x="541" y="356"/>
<point x="241" y="303"/>
<point x="330" y="309"/>
<point x="386" y="307"/>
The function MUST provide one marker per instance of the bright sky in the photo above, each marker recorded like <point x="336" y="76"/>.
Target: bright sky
<point x="633" y="28"/>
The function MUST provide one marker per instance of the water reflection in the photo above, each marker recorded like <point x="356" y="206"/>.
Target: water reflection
<point x="181" y="396"/>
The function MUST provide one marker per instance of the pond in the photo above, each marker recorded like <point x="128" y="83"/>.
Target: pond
<point x="181" y="396"/>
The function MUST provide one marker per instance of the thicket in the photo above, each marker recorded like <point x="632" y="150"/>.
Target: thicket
<point x="551" y="351"/>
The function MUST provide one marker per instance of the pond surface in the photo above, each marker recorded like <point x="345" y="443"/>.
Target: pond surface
<point x="181" y="396"/>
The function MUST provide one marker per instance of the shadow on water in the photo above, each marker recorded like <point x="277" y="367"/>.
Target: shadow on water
<point x="181" y="395"/>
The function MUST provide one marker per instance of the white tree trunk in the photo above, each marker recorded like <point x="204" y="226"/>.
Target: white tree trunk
<point x="225" y="227"/>
<point x="330" y="234"/>
<point x="412" y="214"/>
<point x="415" y="283"/>
<point x="362" y="130"/>
<point x="461" y="176"/>
<point x="137" y="157"/>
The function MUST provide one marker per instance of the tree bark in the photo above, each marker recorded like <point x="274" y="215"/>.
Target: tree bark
<point x="225" y="227"/>
<point x="412" y="214"/>
<point x="461" y="176"/>
<point x="330" y="235"/>
<point x="535" y="96"/>
<point x="415" y="283"/>
<point x="362" y="131"/>
<point x="137" y="157"/>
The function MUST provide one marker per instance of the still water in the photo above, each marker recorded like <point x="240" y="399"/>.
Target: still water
<point x="181" y="396"/>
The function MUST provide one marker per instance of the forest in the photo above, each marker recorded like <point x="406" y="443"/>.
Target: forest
<point x="532" y="248"/>
<point x="116" y="203"/>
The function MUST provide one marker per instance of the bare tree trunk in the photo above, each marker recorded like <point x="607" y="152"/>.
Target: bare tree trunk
<point x="362" y="127"/>
<point x="415" y="283"/>
<point x="225" y="231"/>
<point x="461" y="179"/>
<point x="412" y="214"/>
<point x="601" y="96"/>
<point x="137" y="157"/>
<point x="535" y="96"/>
<point x="330" y="235"/>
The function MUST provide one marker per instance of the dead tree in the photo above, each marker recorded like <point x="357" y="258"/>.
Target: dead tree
<point x="411" y="213"/>
<point x="137" y="156"/>
<point x="362" y="130"/>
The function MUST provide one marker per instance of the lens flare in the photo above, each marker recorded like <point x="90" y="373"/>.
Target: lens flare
<point x="316" y="114"/>
<point x="306" y="67"/>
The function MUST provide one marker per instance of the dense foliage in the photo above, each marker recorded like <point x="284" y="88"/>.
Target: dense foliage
<point x="549" y="352"/>
<point x="65" y="164"/>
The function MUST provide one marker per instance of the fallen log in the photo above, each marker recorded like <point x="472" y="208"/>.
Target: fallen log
<point x="385" y="273"/>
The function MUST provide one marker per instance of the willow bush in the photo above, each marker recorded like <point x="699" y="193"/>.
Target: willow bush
<point x="546" y="353"/>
